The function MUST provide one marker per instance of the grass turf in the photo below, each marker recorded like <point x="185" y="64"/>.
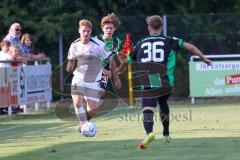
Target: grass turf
<point x="209" y="132"/>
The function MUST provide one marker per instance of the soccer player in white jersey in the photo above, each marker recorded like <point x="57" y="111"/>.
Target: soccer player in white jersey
<point x="85" y="59"/>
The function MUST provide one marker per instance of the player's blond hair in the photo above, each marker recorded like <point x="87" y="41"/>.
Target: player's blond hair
<point x="111" y="18"/>
<point x="154" y="22"/>
<point x="86" y="23"/>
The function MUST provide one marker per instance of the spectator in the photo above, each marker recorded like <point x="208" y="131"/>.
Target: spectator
<point x="14" y="35"/>
<point x="4" y="55"/>
<point x="9" y="53"/>
<point x="28" y="48"/>
<point x="15" y="54"/>
<point x="28" y="53"/>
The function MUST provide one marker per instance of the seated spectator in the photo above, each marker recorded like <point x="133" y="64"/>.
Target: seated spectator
<point x="27" y="48"/>
<point x="4" y="55"/>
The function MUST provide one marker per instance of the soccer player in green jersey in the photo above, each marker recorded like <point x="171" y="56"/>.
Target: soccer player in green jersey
<point x="159" y="49"/>
<point x="109" y="25"/>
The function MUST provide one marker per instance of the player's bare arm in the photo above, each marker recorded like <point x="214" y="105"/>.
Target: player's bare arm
<point x="122" y="68"/>
<point x="121" y="56"/>
<point x="71" y="65"/>
<point x="108" y="73"/>
<point x="117" y="81"/>
<point x="194" y="50"/>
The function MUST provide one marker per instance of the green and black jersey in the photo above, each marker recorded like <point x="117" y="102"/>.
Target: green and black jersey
<point x="157" y="49"/>
<point x="114" y="46"/>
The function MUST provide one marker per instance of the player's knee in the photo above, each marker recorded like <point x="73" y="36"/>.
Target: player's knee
<point x="77" y="104"/>
<point x="162" y="103"/>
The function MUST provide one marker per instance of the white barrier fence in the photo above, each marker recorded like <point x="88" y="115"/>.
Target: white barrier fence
<point x="25" y="84"/>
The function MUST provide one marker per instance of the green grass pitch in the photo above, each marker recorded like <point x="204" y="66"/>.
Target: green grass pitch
<point x="209" y="132"/>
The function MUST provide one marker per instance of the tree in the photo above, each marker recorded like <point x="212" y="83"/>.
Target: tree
<point x="46" y="19"/>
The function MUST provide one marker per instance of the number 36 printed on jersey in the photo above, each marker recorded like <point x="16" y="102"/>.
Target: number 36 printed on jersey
<point x="153" y="51"/>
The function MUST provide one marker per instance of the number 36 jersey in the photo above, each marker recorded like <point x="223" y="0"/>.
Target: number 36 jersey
<point x="157" y="49"/>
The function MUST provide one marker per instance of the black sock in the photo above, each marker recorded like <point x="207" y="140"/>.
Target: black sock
<point x="164" y="114"/>
<point x="148" y="120"/>
<point x="165" y="123"/>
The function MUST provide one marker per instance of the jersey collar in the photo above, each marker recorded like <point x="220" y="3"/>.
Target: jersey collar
<point x="109" y="41"/>
<point x="154" y="34"/>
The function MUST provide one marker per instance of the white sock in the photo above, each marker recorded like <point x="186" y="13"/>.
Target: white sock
<point x="81" y="114"/>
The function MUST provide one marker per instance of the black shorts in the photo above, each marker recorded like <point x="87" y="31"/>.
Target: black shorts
<point x="104" y="82"/>
<point x="152" y="102"/>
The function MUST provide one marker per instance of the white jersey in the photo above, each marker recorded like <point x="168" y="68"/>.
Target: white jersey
<point x="89" y="59"/>
<point x="3" y="57"/>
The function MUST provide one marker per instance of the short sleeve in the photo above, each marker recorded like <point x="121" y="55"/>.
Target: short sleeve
<point x="105" y="52"/>
<point x="176" y="43"/>
<point x="119" y="45"/>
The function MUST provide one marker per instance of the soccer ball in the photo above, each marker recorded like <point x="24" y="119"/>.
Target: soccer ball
<point x="88" y="129"/>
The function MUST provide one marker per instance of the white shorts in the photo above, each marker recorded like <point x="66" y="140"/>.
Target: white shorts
<point x="88" y="90"/>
